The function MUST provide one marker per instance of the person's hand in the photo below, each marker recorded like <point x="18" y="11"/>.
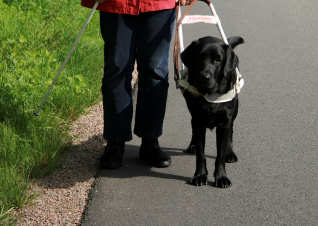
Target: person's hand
<point x="181" y="2"/>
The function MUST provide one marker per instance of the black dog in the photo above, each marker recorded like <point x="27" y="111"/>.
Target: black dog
<point x="211" y="70"/>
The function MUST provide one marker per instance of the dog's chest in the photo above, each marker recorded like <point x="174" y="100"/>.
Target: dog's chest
<point x="210" y="114"/>
<point x="214" y="115"/>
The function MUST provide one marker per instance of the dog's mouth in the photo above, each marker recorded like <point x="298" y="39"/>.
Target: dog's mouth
<point x="207" y="91"/>
<point x="206" y="86"/>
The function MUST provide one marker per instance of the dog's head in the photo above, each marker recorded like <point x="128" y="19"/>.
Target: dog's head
<point x="211" y="64"/>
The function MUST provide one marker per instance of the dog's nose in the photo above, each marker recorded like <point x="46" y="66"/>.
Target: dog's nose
<point x="207" y="71"/>
<point x="208" y="80"/>
<point x="206" y="74"/>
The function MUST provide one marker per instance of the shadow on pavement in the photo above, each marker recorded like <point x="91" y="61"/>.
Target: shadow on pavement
<point x="133" y="167"/>
<point x="81" y="163"/>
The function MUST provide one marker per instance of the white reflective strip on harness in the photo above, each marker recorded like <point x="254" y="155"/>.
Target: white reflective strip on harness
<point x="214" y="98"/>
<point x="192" y="19"/>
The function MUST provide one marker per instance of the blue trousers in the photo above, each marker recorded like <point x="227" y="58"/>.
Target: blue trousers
<point x="146" y="38"/>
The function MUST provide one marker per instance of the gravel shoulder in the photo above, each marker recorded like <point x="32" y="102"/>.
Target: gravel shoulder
<point x="62" y="196"/>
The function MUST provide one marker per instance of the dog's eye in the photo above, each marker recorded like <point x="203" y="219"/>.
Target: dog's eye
<point x="216" y="59"/>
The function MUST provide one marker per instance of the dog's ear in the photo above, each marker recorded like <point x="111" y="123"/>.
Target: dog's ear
<point x="235" y="40"/>
<point x="189" y="53"/>
<point x="231" y="62"/>
<point x="231" y="59"/>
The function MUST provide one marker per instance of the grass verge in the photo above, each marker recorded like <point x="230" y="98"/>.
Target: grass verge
<point x="35" y="37"/>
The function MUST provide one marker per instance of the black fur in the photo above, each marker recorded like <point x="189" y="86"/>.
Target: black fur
<point x="211" y="65"/>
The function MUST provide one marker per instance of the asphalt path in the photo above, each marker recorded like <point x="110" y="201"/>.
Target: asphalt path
<point x="275" y="181"/>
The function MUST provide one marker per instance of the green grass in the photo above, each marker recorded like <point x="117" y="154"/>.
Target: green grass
<point x="6" y="217"/>
<point x="35" y="37"/>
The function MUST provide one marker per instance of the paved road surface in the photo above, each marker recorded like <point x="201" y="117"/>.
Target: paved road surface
<point x="275" y="181"/>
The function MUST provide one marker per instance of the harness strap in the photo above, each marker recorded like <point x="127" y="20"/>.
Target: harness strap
<point x="215" y="97"/>
<point x="176" y="51"/>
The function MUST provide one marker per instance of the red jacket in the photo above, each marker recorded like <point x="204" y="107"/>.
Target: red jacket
<point x="132" y="7"/>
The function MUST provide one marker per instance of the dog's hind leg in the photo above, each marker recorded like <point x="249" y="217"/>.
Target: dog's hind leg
<point x="201" y="173"/>
<point x="191" y="149"/>
<point x="223" y="140"/>
<point x="230" y="156"/>
<point x="193" y="146"/>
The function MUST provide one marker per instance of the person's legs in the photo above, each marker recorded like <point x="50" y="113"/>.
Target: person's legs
<point x="153" y="41"/>
<point x="119" y="56"/>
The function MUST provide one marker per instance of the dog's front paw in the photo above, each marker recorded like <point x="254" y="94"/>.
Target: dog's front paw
<point x="231" y="157"/>
<point x="223" y="182"/>
<point x="199" y="180"/>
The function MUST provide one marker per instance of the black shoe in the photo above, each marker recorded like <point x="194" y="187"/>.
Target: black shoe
<point x="151" y="153"/>
<point x="113" y="156"/>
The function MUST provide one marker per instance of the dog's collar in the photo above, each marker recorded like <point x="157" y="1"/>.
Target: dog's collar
<point x="213" y="98"/>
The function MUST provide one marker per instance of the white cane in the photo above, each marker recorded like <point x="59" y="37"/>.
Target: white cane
<point x="36" y="113"/>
